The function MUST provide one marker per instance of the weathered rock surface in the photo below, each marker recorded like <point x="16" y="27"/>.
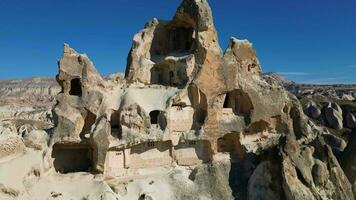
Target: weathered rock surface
<point x="188" y="121"/>
<point x="265" y="182"/>
<point x="193" y="103"/>
<point x="313" y="110"/>
<point x="334" y="91"/>
<point x="313" y="172"/>
<point x="38" y="92"/>
<point x="349" y="161"/>
<point x="37" y="139"/>
<point x="333" y="116"/>
<point x="11" y="146"/>
<point x="350" y="121"/>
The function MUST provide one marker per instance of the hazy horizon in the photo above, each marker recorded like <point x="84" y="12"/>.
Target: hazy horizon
<point x="307" y="42"/>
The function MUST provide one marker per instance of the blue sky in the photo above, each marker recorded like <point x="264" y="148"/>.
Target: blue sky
<point x="311" y="41"/>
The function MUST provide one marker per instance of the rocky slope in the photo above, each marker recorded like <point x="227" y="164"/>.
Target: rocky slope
<point x="335" y="91"/>
<point x="27" y="104"/>
<point x="332" y="107"/>
<point x="37" y="92"/>
<point x="187" y="121"/>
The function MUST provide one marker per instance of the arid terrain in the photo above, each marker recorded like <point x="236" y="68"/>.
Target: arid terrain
<point x="185" y="121"/>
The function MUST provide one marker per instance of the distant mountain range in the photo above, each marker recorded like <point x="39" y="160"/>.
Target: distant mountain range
<point x="40" y="91"/>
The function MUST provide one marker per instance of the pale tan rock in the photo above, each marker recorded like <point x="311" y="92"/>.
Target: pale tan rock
<point x="305" y="173"/>
<point x="11" y="146"/>
<point x="264" y="183"/>
<point x="37" y="139"/>
<point x="185" y="103"/>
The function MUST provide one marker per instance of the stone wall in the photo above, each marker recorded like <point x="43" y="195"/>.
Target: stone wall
<point x="118" y="162"/>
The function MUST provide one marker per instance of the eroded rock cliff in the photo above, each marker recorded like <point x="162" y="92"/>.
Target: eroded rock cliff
<point x="188" y="122"/>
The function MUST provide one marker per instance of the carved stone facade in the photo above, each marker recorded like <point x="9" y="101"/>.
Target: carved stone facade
<point x="183" y="102"/>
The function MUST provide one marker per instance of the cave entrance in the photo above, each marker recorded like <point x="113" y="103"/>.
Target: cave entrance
<point x="173" y="40"/>
<point x="181" y="39"/>
<point x="162" y="75"/>
<point x="199" y="103"/>
<point x="158" y="119"/>
<point x="240" y="103"/>
<point x="169" y="74"/>
<point x="154" y="115"/>
<point x="116" y="129"/>
<point x="72" y="158"/>
<point x="75" y="87"/>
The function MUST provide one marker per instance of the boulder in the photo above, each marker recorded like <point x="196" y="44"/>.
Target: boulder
<point x="313" y="110"/>
<point x="335" y="142"/>
<point x="320" y="173"/>
<point x="347" y="97"/>
<point x="11" y="146"/>
<point x="350" y="121"/>
<point x="7" y="129"/>
<point x="313" y="172"/>
<point x="349" y="161"/>
<point x="333" y="116"/>
<point x="36" y="139"/>
<point x="335" y="106"/>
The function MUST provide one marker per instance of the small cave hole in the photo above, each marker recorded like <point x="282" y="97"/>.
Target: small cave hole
<point x="297" y="122"/>
<point x="154" y="116"/>
<point x="228" y="101"/>
<point x="158" y="119"/>
<point x="151" y="144"/>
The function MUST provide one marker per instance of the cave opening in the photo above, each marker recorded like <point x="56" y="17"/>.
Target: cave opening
<point x="72" y="158"/>
<point x="240" y="103"/>
<point x="169" y="74"/>
<point x="232" y="100"/>
<point x="154" y="116"/>
<point x="116" y="129"/>
<point x="158" y="119"/>
<point x="75" y="87"/>
<point x="181" y="39"/>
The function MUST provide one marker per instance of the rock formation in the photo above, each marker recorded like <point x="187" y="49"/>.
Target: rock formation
<point x="206" y="120"/>
<point x="313" y="110"/>
<point x="37" y="92"/>
<point x="186" y="102"/>
<point x="350" y="121"/>
<point x="349" y="161"/>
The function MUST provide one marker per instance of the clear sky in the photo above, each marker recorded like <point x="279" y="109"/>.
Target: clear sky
<point x="310" y="41"/>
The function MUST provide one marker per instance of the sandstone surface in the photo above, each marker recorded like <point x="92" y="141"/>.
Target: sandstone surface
<point x="187" y="121"/>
